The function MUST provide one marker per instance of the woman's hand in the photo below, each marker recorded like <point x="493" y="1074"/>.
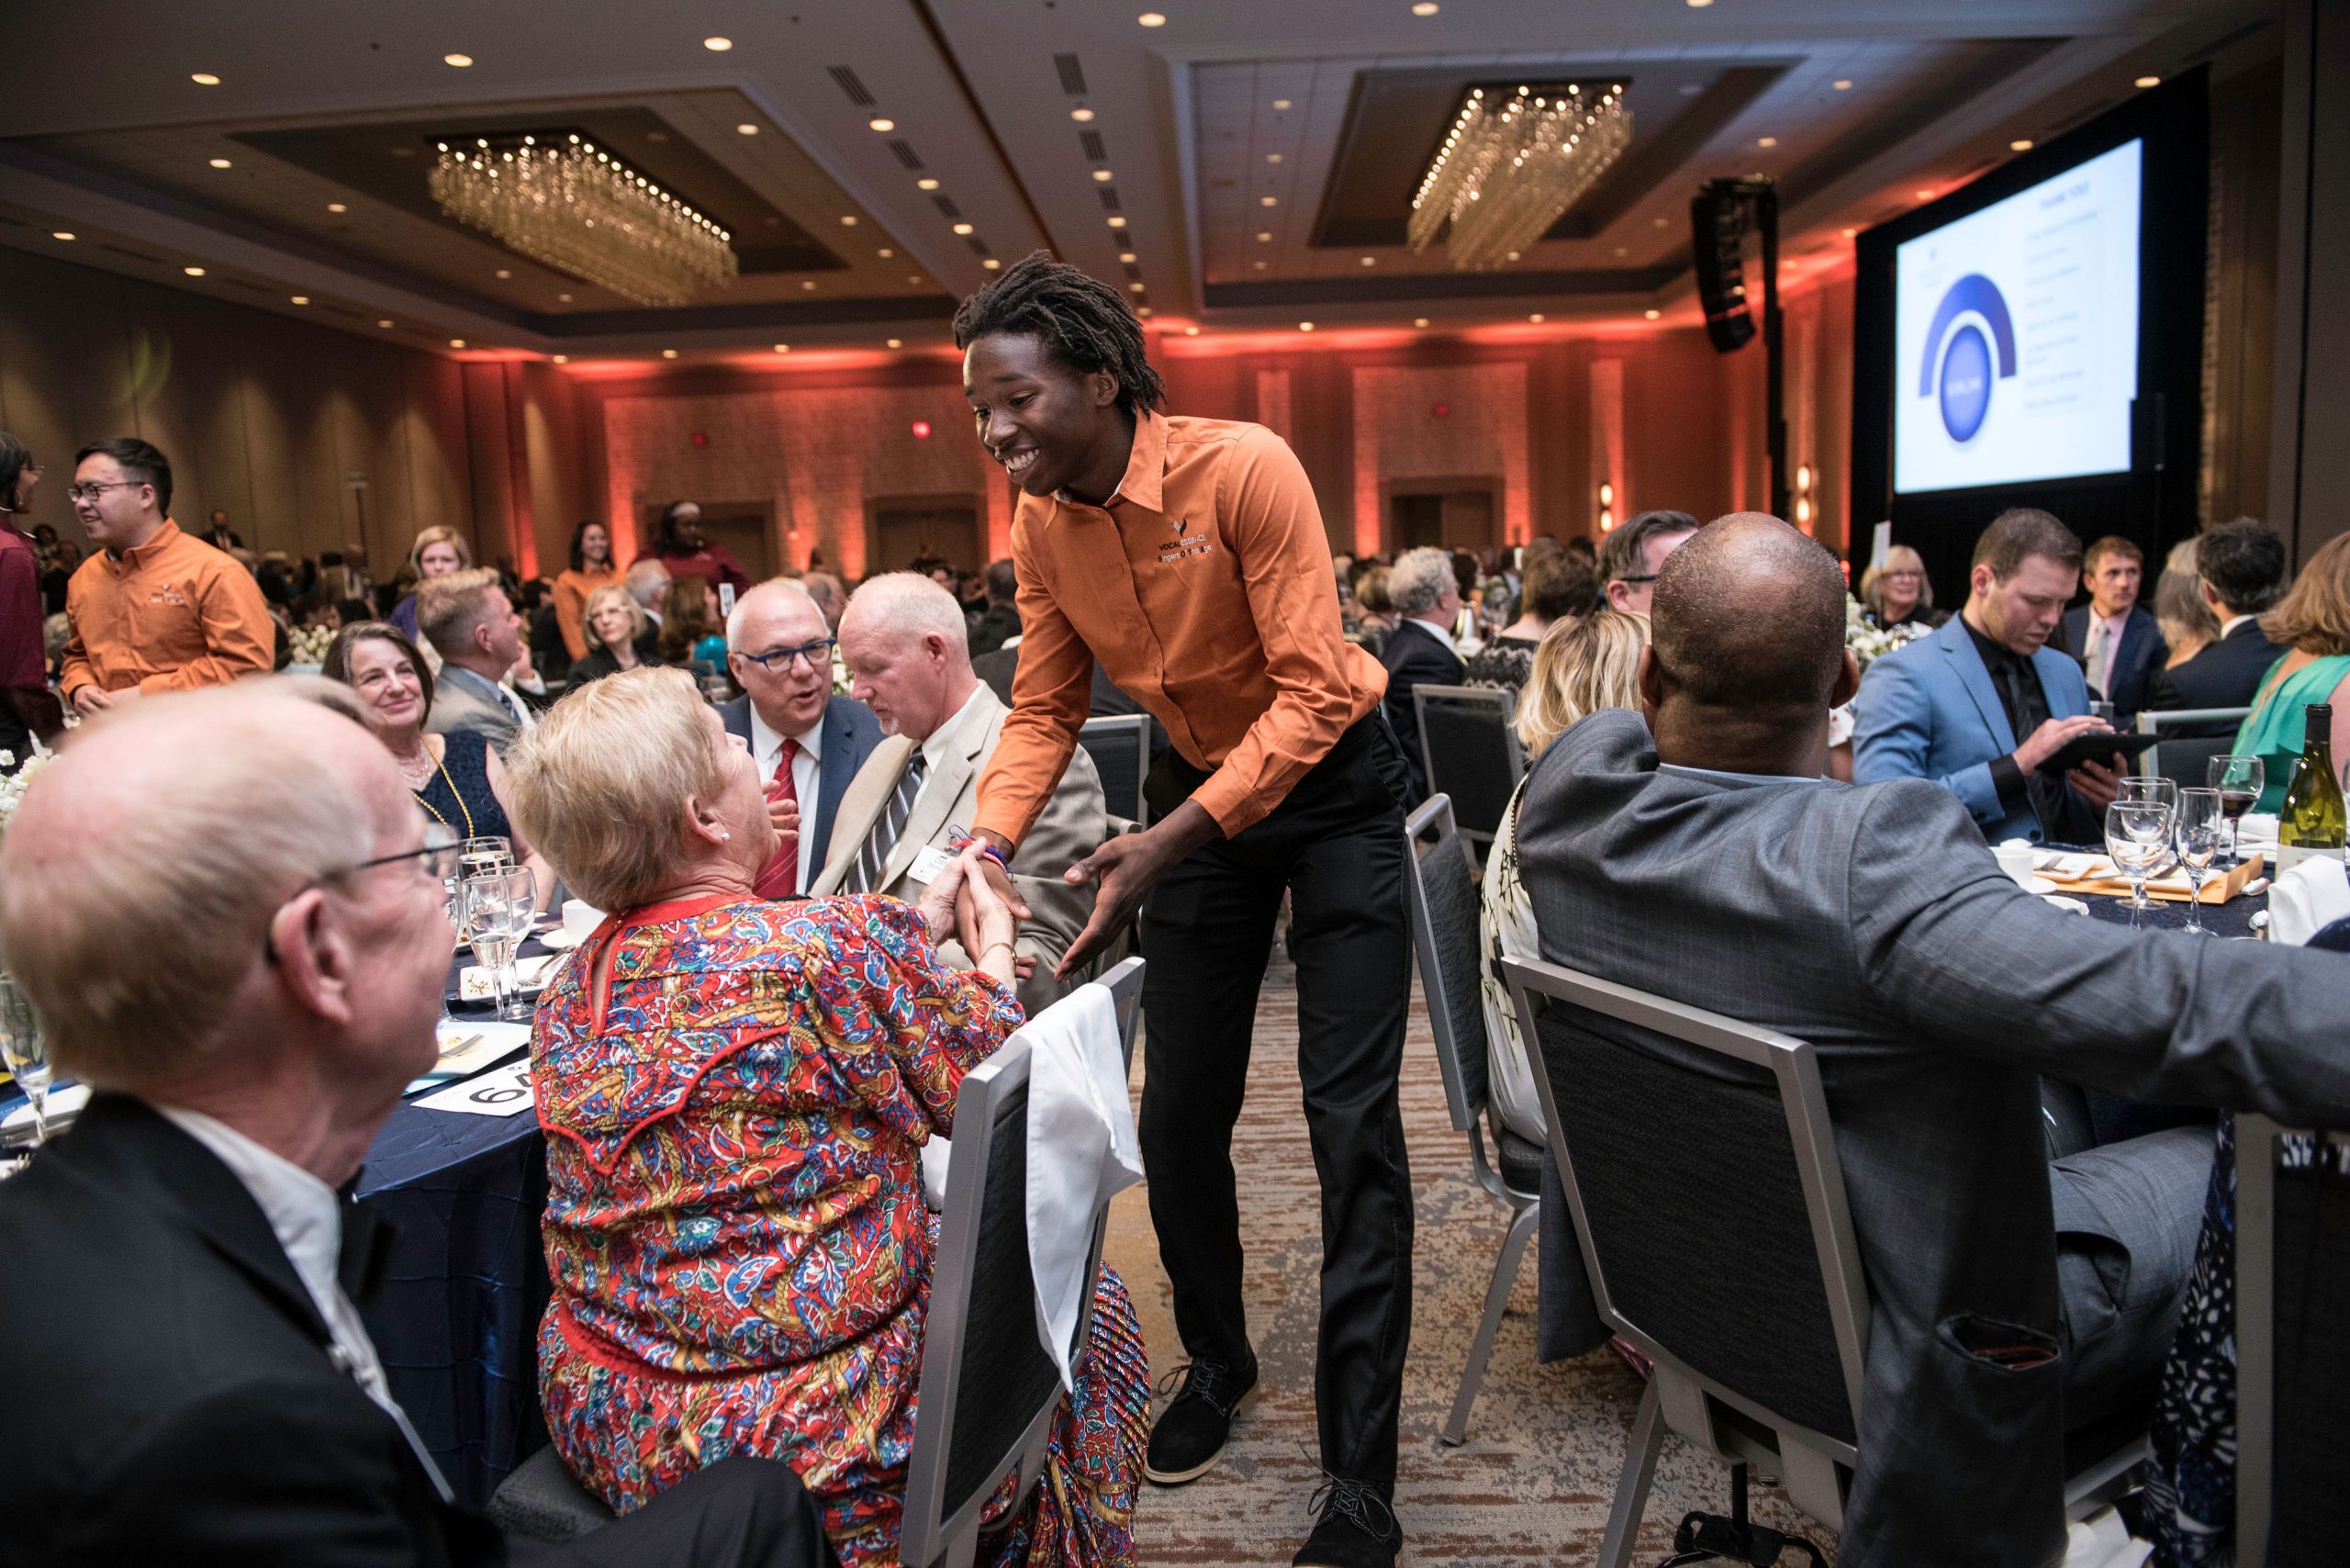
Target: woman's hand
<point x="984" y="919"/>
<point x="938" y="900"/>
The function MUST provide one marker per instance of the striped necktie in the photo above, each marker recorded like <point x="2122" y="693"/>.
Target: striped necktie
<point x="865" y="875"/>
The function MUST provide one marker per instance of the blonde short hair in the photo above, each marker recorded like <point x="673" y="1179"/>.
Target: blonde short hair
<point x="1900" y="558"/>
<point x="1580" y="667"/>
<point x="448" y="608"/>
<point x="440" y="533"/>
<point x="613" y="592"/>
<point x="133" y="944"/>
<point x="599" y="786"/>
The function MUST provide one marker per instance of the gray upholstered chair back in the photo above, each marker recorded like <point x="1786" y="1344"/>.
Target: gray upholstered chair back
<point x="1697" y="1159"/>
<point x="1471" y="751"/>
<point x="1443" y="891"/>
<point x="2184" y="759"/>
<point x="1120" y="749"/>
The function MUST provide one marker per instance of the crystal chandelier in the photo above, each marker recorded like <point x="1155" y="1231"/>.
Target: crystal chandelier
<point x="579" y="210"/>
<point x="1510" y="166"/>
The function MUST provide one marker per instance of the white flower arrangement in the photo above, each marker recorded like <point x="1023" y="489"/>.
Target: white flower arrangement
<point x="14" y="785"/>
<point x="308" y="644"/>
<point x="1867" y="643"/>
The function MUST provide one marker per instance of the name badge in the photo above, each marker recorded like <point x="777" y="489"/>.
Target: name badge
<point x="929" y="864"/>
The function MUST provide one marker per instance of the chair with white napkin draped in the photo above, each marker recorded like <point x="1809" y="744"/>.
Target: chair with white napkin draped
<point x="1043" y="1136"/>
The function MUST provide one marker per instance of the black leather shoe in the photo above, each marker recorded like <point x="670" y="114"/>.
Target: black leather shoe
<point x="1189" y="1436"/>
<point x="1356" y="1527"/>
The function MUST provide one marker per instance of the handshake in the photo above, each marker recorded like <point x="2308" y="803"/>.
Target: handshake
<point x="972" y="901"/>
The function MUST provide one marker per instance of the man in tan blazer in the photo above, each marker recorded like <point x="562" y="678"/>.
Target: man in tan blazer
<point x="905" y="639"/>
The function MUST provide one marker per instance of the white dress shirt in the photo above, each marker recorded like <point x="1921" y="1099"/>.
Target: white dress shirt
<point x="2104" y="640"/>
<point x="934" y="750"/>
<point x="807" y="780"/>
<point x="2227" y="627"/>
<point x="1438" y="630"/>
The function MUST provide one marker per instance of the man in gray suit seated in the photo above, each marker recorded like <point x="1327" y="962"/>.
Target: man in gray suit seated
<point x="904" y="638"/>
<point x="473" y="626"/>
<point x="1714" y="865"/>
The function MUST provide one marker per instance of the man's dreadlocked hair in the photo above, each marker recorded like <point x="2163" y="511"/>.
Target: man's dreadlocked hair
<point x="1084" y="323"/>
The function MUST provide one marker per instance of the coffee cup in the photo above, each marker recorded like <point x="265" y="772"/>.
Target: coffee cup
<point x="2015" y="860"/>
<point x="580" y="918"/>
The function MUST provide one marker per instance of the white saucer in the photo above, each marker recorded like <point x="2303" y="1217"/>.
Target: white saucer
<point x="2039" y="885"/>
<point x="558" y="940"/>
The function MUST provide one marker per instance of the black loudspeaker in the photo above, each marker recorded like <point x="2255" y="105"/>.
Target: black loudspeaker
<point x="1717" y="217"/>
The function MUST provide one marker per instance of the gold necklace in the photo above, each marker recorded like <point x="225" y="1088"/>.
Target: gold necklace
<point x="441" y="765"/>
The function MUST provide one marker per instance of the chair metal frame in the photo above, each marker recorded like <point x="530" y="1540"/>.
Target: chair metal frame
<point x="2154" y="720"/>
<point x="1423" y="830"/>
<point x="1814" y="1467"/>
<point x="1496" y="697"/>
<point x="1138" y="726"/>
<point x="929" y="1536"/>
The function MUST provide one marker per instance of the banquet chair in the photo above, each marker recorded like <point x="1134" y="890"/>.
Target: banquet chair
<point x="1445" y="936"/>
<point x="2183" y="758"/>
<point x="1470" y="752"/>
<point x="2293" y="1340"/>
<point x="1733" y="1265"/>
<point x="989" y="1391"/>
<point x="1120" y="748"/>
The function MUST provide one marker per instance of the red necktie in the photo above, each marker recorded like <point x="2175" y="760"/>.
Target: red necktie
<point x="781" y="879"/>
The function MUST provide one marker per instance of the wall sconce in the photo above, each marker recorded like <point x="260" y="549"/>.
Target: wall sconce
<point x="1606" y="520"/>
<point x="1803" y="497"/>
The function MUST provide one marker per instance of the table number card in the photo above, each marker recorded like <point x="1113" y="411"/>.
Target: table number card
<point x="504" y="1092"/>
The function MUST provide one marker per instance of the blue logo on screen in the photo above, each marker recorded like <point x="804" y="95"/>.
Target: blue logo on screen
<point x="1966" y="360"/>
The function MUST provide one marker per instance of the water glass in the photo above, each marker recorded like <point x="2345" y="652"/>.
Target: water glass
<point x="2201" y="827"/>
<point x="2149" y="788"/>
<point x="2137" y="834"/>
<point x="497" y="910"/>
<point x="2239" y="780"/>
<point x="475" y="856"/>
<point x="25" y="1052"/>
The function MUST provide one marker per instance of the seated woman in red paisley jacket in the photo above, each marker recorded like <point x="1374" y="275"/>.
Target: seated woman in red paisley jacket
<point x="735" y="1093"/>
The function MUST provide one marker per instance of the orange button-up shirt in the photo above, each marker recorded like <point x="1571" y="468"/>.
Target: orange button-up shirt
<point x="171" y="614"/>
<point x="1206" y="589"/>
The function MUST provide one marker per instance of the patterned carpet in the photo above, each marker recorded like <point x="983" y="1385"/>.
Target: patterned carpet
<point x="1533" y="1482"/>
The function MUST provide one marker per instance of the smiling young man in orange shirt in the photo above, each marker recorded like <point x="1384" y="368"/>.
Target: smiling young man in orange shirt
<point x="1187" y="556"/>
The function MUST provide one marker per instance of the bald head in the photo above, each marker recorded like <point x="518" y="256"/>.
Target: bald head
<point x="1748" y="623"/>
<point x="908" y="647"/>
<point x="778" y="609"/>
<point x="140" y="877"/>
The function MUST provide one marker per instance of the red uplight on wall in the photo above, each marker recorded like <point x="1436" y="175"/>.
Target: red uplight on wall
<point x="699" y="438"/>
<point x="922" y="430"/>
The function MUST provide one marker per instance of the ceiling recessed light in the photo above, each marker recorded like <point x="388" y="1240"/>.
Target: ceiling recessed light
<point x="337" y="206"/>
<point x="989" y="262"/>
<point x="2150" y="80"/>
<point x="1847" y="233"/>
<point x="1305" y="326"/>
<point x="459" y="60"/>
<point x="456" y="342"/>
<point x="1513" y="255"/>
<point x="1651" y="315"/>
<point x="61" y="234"/>
<point x="2021" y="144"/>
<point x="1152" y="19"/>
<point x="193" y="272"/>
<point x="1190" y="331"/>
<point x="1106" y="175"/>
<point x="384" y="322"/>
<point x="1144" y="311"/>
<point x="1135" y="287"/>
<point x="746" y="129"/>
<point x="1269" y="201"/>
<point x="808" y="284"/>
<point x="880" y="122"/>
<point x="1699" y="4"/>
<point x="717" y="46"/>
<point x="886" y="254"/>
<point x="783" y="347"/>
<point x="1127" y="256"/>
<point x="1264" y="236"/>
<point x="925" y="184"/>
<point x="962" y="228"/>
<point x="1536" y="316"/>
<point x="1370" y="260"/>
<point x="916" y="277"/>
<point x="1424" y="9"/>
<point x="564" y="297"/>
<point x="668" y="354"/>
<point x="1842" y="84"/>
<point x="1273" y="157"/>
<point x="897" y="343"/>
<point x="1280" y="105"/>
<point x="506" y="272"/>
<point x="1925" y="195"/>
<point x="1767" y="141"/>
<point x="849" y="220"/>
<point x="299" y="299"/>
<point x="1419" y="321"/>
<point x="218" y="163"/>
<point x="1081" y="117"/>
<point x="1623" y="250"/>
<point x="563" y="359"/>
<point x="1262" y="266"/>
<point x="204" y="79"/>
<point x="1661" y="222"/>
<point x="1118" y="223"/>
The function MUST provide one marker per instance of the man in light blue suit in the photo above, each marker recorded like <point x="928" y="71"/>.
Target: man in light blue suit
<point x="1950" y="707"/>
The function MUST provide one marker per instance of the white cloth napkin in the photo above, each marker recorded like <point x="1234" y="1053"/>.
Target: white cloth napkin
<point x="2101" y="1541"/>
<point x="2307" y="899"/>
<point x="1081" y="1151"/>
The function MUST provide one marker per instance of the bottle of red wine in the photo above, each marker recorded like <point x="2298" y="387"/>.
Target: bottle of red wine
<point x="2312" y="820"/>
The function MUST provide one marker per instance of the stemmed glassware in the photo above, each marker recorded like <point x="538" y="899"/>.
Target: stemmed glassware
<point x="2201" y="826"/>
<point x="2239" y="780"/>
<point x="26" y="1051"/>
<point x="495" y="910"/>
<point x="2148" y="789"/>
<point x="2137" y="834"/>
<point x="475" y="856"/>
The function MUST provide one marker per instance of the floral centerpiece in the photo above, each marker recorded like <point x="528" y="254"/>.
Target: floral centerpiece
<point x="308" y="644"/>
<point x="1868" y="643"/>
<point x="14" y="785"/>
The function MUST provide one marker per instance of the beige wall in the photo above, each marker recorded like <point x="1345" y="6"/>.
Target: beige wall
<point x="266" y="415"/>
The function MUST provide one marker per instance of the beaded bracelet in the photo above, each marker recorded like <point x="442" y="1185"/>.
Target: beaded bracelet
<point x="963" y="839"/>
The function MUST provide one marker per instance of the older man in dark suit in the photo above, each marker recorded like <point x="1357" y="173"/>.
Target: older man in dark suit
<point x="1714" y="865"/>
<point x="1419" y="652"/>
<point x="197" y="1384"/>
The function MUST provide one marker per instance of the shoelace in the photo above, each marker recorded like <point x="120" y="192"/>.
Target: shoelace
<point x="1357" y="1502"/>
<point x="1203" y="1381"/>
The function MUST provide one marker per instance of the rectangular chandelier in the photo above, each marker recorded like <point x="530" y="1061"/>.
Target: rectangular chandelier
<point x="574" y="206"/>
<point x="1511" y="163"/>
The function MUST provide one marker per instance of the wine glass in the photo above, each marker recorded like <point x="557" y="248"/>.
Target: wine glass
<point x="2150" y="789"/>
<point x="476" y="855"/>
<point x="497" y="909"/>
<point x="2239" y="780"/>
<point x="26" y="1051"/>
<point x="2137" y="834"/>
<point x="2200" y="825"/>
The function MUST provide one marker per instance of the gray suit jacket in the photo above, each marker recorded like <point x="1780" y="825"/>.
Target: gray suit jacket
<point x="464" y="700"/>
<point x="1871" y="921"/>
<point x="1073" y="825"/>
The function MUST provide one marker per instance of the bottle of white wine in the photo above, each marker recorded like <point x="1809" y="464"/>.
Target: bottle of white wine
<point x="2312" y="820"/>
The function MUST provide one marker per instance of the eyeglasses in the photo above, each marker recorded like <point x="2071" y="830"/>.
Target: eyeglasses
<point x="817" y="654"/>
<point x="1641" y="577"/>
<point x="439" y="853"/>
<point x="90" y="492"/>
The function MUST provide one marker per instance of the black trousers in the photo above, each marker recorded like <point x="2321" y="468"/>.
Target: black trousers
<point x="1336" y="845"/>
<point x="738" y="1513"/>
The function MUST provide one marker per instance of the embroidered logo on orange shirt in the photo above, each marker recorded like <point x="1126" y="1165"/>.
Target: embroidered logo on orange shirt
<point x="1185" y="544"/>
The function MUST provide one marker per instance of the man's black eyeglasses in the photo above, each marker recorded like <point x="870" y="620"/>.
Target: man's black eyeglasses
<point x="819" y="655"/>
<point x="439" y="852"/>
